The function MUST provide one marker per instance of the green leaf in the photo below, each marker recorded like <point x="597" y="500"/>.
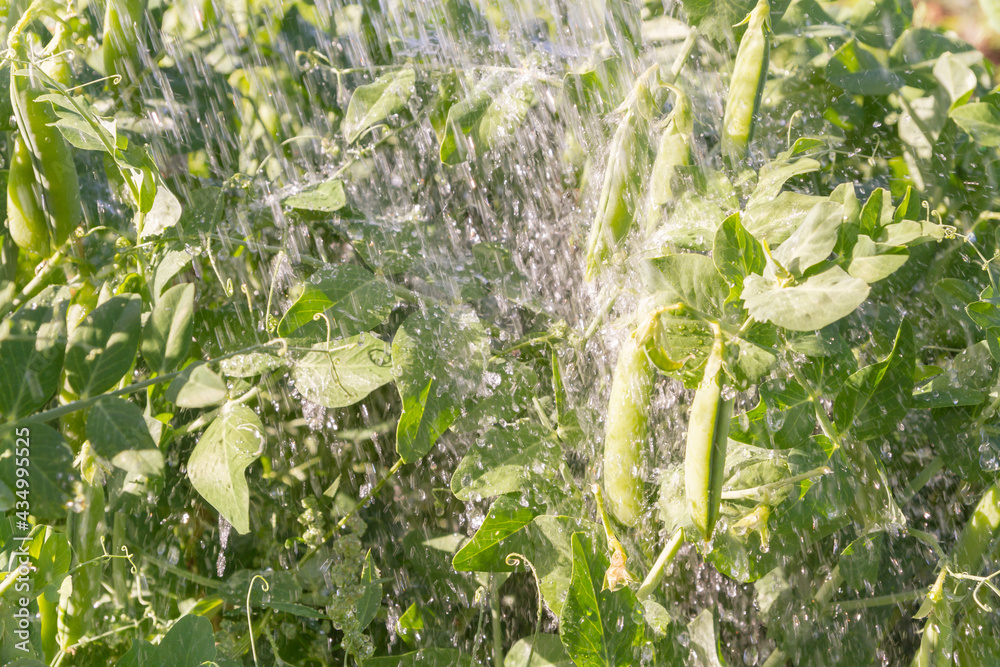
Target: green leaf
<point x="163" y="214"/>
<point x="872" y="262"/>
<point x="117" y="431"/>
<point x="464" y="117"/>
<point x="342" y="372"/>
<point x="325" y="197"/>
<point x="353" y="299"/>
<point x="370" y="599"/>
<point x="101" y="349"/>
<point x="984" y="313"/>
<point x="50" y="468"/>
<point x="737" y="253"/>
<point x="504" y="460"/>
<point x="410" y="625"/>
<point x="189" y="643"/>
<point x="32" y="347"/>
<point x="506" y="113"/>
<point x="198" y="386"/>
<point x="981" y="121"/>
<point x="772" y="215"/>
<point x="954" y="295"/>
<point x="596" y="626"/>
<point x="173" y="262"/>
<point x="813" y="241"/>
<point x="166" y="338"/>
<point x="438" y="359"/>
<point x="233" y="441"/>
<point x="704" y="633"/>
<point x="512" y="528"/>
<point x="689" y="278"/>
<point x="505" y="397"/>
<point x="812" y="304"/>
<point x="859" y="564"/>
<point x="375" y="102"/>
<point x="544" y="651"/>
<point x="716" y="18"/>
<point x="860" y="70"/>
<point x="875" y="399"/>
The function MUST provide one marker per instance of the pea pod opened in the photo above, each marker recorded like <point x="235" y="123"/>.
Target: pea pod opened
<point x="708" y="433"/>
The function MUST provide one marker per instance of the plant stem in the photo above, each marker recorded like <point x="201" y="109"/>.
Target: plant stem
<point x="34" y="285"/>
<point x="84" y="403"/>
<point x="882" y="600"/>
<point x="495" y="622"/>
<point x="655" y="576"/>
<point x="371" y="494"/>
<point x="933" y="467"/>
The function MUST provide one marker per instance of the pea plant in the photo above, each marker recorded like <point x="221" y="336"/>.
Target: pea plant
<point x="518" y="333"/>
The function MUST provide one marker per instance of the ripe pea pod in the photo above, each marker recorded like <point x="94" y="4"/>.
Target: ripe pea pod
<point x="43" y="192"/>
<point x="626" y="430"/>
<point x="673" y="151"/>
<point x="747" y="84"/>
<point x="122" y="22"/>
<point x="708" y="435"/>
<point x="624" y="174"/>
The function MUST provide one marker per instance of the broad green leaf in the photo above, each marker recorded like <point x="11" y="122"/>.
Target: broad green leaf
<point x="859" y="70"/>
<point x="506" y="113"/>
<point x="375" y="102"/>
<point x="189" y="643"/>
<point x="860" y="561"/>
<point x="599" y="89"/>
<point x="342" y="372"/>
<point x="984" y="313"/>
<point x="464" y="117"/>
<point x="198" y="386"/>
<point x="437" y="358"/>
<point x="166" y="338"/>
<point x="505" y="397"/>
<point x="233" y="441"/>
<point x="957" y="78"/>
<point x="140" y="654"/>
<point x="118" y="432"/>
<point x="981" y="120"/>
<point x="504" y="460"/>
<point x="544" y="651"/>
<point x="512" y="528"/>
<point x="410" y="625"/>
<point x="353" y="299"/>
<point x="597" y="627"/>
<point x="391" y="245"/>
<point x="163" y="214"/>
<point x="370" y="599"/>
<point x="716" y="18"/>
<point x="812" y="304"/>
<point x="689" y="278"/>
<point x="101" y="349"/>
<point x="32" y="347"/>
<point x="872" y="262"/>
<point x="875" y="399"/>
<point x="173" y="262"/>
<point x="814" y="239"/>
<point x="772" y="215"/>
<point x="50" y="468"/>
<point x="325" y="197"/>
<point x="737" y="253"/>
<point x="704" y="633"/>
<point x="954" y="295"/>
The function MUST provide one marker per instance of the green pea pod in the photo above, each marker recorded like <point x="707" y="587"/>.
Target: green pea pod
<point x="747" y="84"/>
<point x="122" y="25"/>
<point x="76" y="600"/>
<point x="708" y="434"/>
<point x="624" y="176"/>
<point x="43" y="191"/>
<point x="673" y="151"/>
<point x="625" y="432"/>
<point x="937" y="640"/>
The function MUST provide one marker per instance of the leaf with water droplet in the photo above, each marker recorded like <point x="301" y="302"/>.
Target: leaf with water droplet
<point x="233" y="441"/>
<point x="342" y="372"/>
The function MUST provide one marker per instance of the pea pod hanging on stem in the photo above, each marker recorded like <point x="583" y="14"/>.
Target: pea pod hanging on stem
<point x="624" y="174"/>
<point x="673" y="151"/>
<point x="747" y="85"/>
<point x="708" y="435"/>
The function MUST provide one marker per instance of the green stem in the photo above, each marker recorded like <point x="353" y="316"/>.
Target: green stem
<point x="763" y="489"/>
<point x="655" y="576"/>
<point x="882" y="600"/>
<point x="34" y="286"/>
<point x="933" y="467"/>
<point x="84" y="403"/>
<point x="495" y="622"/>
<point x="371" y="494"/>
